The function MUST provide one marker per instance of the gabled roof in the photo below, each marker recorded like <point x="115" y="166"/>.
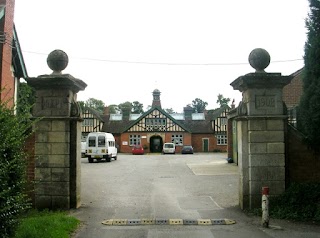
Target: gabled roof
<point x="214" y="114"/>
<point x="160" y="110"/>
<point x="189" y="125"/>
<point x="96" y="113"/>
<point x="116" y="127"/>
<point x="17" y="57"/>
<point x="297" y="72"/>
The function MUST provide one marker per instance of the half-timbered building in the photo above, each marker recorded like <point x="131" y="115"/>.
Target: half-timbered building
<point x="206" y="132"/>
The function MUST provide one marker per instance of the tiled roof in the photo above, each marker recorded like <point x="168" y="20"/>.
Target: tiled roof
<point x="116" y="127"/>
<point x="192" y="126"/>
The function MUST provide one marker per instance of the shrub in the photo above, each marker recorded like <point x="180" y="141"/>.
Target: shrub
<point x="299" y="202"/>
<point x="13" y="200"/>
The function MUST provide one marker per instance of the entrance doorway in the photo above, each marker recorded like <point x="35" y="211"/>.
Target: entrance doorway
<point x="205" y="144"/>
<point x="156" y="144"/>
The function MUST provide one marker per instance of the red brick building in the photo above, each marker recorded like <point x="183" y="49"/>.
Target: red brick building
<point x="292" y="94"/>
<point x="12" y="65"/>
<point x="206" y="132"/>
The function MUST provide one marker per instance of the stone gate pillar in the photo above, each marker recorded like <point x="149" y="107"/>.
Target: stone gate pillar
<point x="260" y="127"/>
<point x="57" y="136"/>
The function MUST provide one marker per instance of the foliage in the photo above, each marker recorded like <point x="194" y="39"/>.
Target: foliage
<point x="92" y="103"/>
<point x="26" y="98"/>
<point x="82" y="105"/>
<point x="309" y="107"/>
<point x="169" y="110"/>
<point x="125" y="108"/>
<point x="13" y="200"/>
<point x="299" y="202"/>
<point x="198" y="105"/>
<point x="46" y="224"/>
<point x="113" y="109"/>
<point x="222" y="100"/>
<point x="137" y="107"/>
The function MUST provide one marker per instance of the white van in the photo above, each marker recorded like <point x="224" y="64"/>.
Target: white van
<point x="101" y="145"/>
<point x="169" y="148"/>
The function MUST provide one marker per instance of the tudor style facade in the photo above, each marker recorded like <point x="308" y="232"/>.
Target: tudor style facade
<point x="206" y="132"/>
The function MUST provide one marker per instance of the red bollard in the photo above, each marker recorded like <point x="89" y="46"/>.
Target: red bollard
<point x="265" y="207"/>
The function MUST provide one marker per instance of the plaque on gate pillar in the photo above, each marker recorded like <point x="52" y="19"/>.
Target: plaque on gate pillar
<point x="57" y="147"/>
<point x="56" y="92"/>
<point x="262" y="92"/>
<point x="260" y="124"/>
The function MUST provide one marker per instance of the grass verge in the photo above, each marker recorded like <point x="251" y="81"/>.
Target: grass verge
<point x="47" y="224"/>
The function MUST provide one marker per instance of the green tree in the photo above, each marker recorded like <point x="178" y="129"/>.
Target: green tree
<point x="222" y="100"/>
<point x="199" y="105"/>
<point x="82" y="105"/>
<point x="137" y="107"/>
<point x="113" y="109"/>
<point x="169" y="110"/>
<point x="14" y="129"/>
<point x="125" y="108"/>
<point x="95" y="104"/>
<point x="309" y="107"/>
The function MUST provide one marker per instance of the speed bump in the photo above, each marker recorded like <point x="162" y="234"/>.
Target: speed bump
<point x="190" y="222"/>
<point x="204" y="222"/>
<point x="134" y="222"/>
<point x="108" y="222"/>
<point x="147" y="221"/>
<point x="230" y="222"/>
<point x="119" y="222"/>
<point x="175" y="221"/>
<point x="161" y="221"/>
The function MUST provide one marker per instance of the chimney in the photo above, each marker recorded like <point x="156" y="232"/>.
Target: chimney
<point x="232" y="104"/>
<point x="106" y="111"/>
<point x="188" y="110"/>
<point x="156" y="98"/>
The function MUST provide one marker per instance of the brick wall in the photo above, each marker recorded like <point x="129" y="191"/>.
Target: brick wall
<point x="302" y="165"/>
<point x="293" y="91"/>
<point x="197" y="140"/>
<point x="7" y="79"/>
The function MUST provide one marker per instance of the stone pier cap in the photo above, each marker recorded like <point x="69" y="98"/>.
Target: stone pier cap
<point x="57" y="60"/>
<point x="260" y="80"/>
<point x="57" y="81"/>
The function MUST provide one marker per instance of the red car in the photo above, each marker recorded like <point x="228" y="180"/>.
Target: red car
<point x="137" y="150"/>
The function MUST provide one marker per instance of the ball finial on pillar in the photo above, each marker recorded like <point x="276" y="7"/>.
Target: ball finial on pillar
<point x="259" y="59"/>
<point x="57" y="61"/>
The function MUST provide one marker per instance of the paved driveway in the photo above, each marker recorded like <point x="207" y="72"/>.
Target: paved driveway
<point x="199" y="186"/>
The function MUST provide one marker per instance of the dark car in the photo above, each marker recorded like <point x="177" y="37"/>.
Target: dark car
<point x="137" y="150"/>
<point x="187" y="149"/>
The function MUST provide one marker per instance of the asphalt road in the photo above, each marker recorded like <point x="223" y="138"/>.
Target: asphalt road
<point x="199" y="186"/>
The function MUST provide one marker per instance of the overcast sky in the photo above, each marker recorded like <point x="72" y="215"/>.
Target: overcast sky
<point x="124" y="49"/>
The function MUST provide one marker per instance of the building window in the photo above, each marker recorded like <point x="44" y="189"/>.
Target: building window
<point x="222" y="139"/>
<point x="292" y="116"/>
<point x="177" y="139"/>
<point x="87" y="122"/>
<point x="156" y="124"/>
<point x="135" y="140"/>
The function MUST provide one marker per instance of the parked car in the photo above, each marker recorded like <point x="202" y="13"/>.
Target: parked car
<point x="169" y="148"/>
<point x="187" y="149"/>
<point x="137" y="150"/>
